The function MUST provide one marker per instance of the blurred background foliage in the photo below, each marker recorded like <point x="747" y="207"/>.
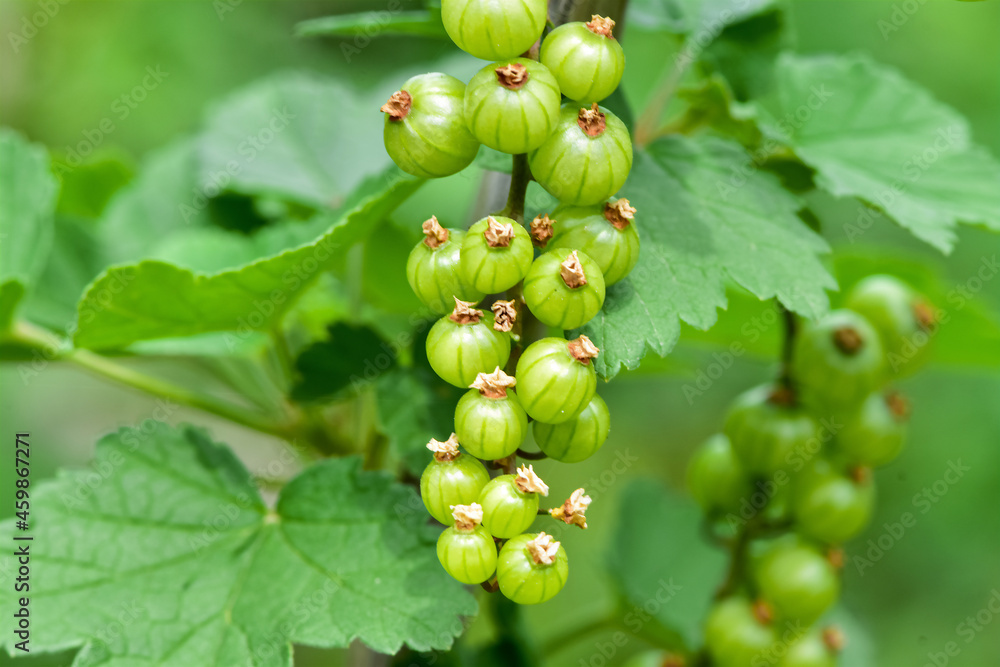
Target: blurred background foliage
<point x="65" y="81"/>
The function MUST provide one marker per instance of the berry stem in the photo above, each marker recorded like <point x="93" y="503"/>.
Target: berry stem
<point x="791" y="329"/>
<point x="738" y="553"/>
<point x="520" y="176"/>
<point x="531" y="456"/>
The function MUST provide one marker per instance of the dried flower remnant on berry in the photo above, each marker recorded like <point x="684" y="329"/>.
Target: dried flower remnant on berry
<point x="528" y="482"/>
<point x="541" y="230"/>
<point x="573" y="511"/>
<point x="543" y="549"/>
<point x="467" y="517"/>
<point x="582" y="349"/>
<point x="465" y="313"/>
<point x="848" y="340"/>
<point x="861" y="474"/>
<point x="493" y="385"/>
<point x="398" y="105"/>
<point x="504" y="315"/>
<point x="600" y="25"/>
<point x="834" y="639"/>
<point x="571" y="271"/>
<point x="498" y="234"/>
<point x="591" y="121"/>
<point x="620" y="214"/>
<point x="835" y="556"/>
<point x="434" y="234"/>
<point x="512" y="76"/>
<point x="445" y="451"/>
<point x="925" y="315"/>
<point x="899" y="407"/>
<point x="763" y="612"/>
<point x="781" y="395"/>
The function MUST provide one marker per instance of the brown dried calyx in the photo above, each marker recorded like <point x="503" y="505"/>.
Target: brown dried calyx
<point x="528" y="482"/>
<point x="512" y="76"/>
<point x="541" y="230"/>
<point x="620" y="214"/>
<point x="600" y="25"/>
<point x="572" y="271"/>
<point x="782" y="395"/>
<point x="591" y="121"/>
<point x="860" y="474"/>
<point x="465" y="313"/>
<point x="434" y="234"/>
<point x="763" y="612"/>
<point x="543" y="549"/>
<point x="467" y="517"/>
<point x="582" y="349"/>
<point x="445" y="451"/>
<point x="848" y="340"/>
<point x="498" y="234"/>
<point x="899" y="407"/>
<point x="834" y="639"/>
<point x="573" y="511"/>
<point x="924" y="314"/>
<point x="493" y="385"/>
<point x="504" y="315"/>
<point x="398" y="105"/>
<point x="835" y="556"/>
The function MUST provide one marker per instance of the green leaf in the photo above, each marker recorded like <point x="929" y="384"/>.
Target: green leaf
<point x="870" y="133"/>
<point x="171" y="558"/>
<point x="707" y="17"/>
<point x="87" y="188"/>
<point x="704" y="220"/>
<point x="425" y="23"/>
<point x="745" y="53"/>
<point x="27" y="202"/>
<point x="351" y="356"/>
<point x="154" y="299"/>
<point x="659" y="565"/>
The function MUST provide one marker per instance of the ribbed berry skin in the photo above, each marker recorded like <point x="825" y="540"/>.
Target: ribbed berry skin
<point x="901" y="316"/>
<point x="512" y="121"/>
<point x="577" y="439"/>
<point x="874" y="435"/>
<point x="829" y="378"/>
<point x="579" y="169"/>
<point x="494" y="29"/>
<point x="588" y="66"/>
<point x="432" y="140"/>
<point x="490" y="428"/>
<point x="809" y="651"/>
<point x="460" y="352"/>
<point x="554" y="302"/>
<point x="447" y="483"/>
<point x="435" y="276"/>
<point x="524" y="581"/>
<point x="716" y="478"/>
<point x="797" y="580"/>
<point x="491" y="269"/>
<point x="469" y="556"/>
<point x="765" y="436"/>
<point x="734" y="636"/>
<point x="586" y="229"/>
<point x="552" y="385"/>
<point x="830" y="506"/>
<point x="507" y="511"/>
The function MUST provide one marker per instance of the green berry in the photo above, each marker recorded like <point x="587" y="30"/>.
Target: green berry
<point x="496" y="254"/>
<point x="830" y="506"/>
<point x="433" y="269"/>
<point x="716" y="478"/>
<point x="586" y="59"/>
<point x="466" y="550"/>
<point x="494" y="29"/>
<point x="513" y="105"/>
<point x="577" y="439"/>
<point x="837" y="361"/>
<point x="489" y="420"/>
<point x="464" y="344"/>
<point x="767" y="430"/>
<point x="797" y="580"/>
<point x="587" y="157"/>
<point x="510" y="502"/>
<point x="452" y="478"/>
<point x="555" y="379"/>
<point x="564" y="289"/>
<point x="604" y="232"/>
<point x="874" y="435"/>
<point x="532" y="568"/>
<point x="903" y="318"/>
<point x="815" y="649"/>
<point x="738" y="632"/>
<point x="425" y="133"/>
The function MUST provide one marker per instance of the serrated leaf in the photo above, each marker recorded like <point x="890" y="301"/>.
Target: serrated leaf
<point x="702" y="221"/>
<point x="351" y="356"/>
<point x="870" y="133"/>
<point x="423" y="23"/>
<point x="656" y="556"/>
<point x="27" y="202"/>
<point x="171" y="558"/>
<point x="154" y="299"/>
<point x="87" y="188"/>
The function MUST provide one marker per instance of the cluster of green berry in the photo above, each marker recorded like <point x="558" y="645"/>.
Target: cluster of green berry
<point x="806" y="444"/>
<point x="581" y="154"/>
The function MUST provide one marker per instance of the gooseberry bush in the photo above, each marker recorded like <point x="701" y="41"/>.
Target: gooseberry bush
<point x="422" y="305"/>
